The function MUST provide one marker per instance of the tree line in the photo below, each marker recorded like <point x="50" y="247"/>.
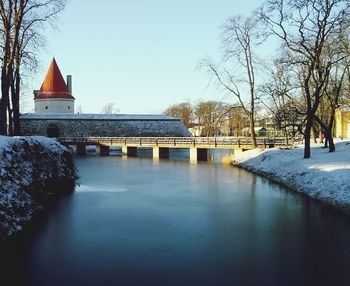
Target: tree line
<point x="22" y="34"/>
<point x="210" y="116"/>
<point x="309" y="76"/>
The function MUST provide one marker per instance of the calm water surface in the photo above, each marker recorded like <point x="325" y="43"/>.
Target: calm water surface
<point x="140" y="222"/>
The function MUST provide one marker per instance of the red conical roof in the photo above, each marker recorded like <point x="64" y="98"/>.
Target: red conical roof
<point x="53" y="85"/>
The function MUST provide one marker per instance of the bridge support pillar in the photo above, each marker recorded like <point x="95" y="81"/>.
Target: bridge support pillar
<point x="198" y="154"/>
<point x="102" y="150"/>
<point x="159" y="152"/>
<point x="129" y="151"/>
<point x="81" y="149"/>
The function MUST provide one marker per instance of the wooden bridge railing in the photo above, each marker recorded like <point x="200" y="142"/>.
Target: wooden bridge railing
<point x="211" y="142"/>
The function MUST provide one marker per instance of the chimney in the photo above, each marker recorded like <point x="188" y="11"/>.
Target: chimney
<point x="69" y="83"/>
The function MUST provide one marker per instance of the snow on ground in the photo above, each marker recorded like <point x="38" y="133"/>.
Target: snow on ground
<point x="325" y="176"/>
<point x="7" y="142"/>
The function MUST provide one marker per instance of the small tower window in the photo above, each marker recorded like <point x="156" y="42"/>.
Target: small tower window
<point x="68" y="107"/>
<point x="46" y="107"/>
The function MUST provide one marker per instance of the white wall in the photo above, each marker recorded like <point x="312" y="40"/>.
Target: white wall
<point x="55" y="105"/>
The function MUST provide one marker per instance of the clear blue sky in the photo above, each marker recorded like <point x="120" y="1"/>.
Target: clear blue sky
<point x="139" y="54"/>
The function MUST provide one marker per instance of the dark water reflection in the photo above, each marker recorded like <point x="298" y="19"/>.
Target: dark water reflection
<point x="139" y="222"/>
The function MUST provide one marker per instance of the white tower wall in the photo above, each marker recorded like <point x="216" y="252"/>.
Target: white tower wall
<point x="54" y="105"/>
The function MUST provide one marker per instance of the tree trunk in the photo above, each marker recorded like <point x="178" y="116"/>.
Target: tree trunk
<point x="252" y="130"/>
<point x="325" y="140"/>
<point x="307" y="137"/>
<point x="10" y="107"/>
<point x="10" y="121"/>
<point x="3" y="116"/>
<point x="329" y="142"/>
<point x="320" y="136"/>
<point x="330" y="131"/>
<point x="15" y="105"/>
<point x="286" y="135"/>
<point x="329" y="139"/>
<point x="5" y="86"/>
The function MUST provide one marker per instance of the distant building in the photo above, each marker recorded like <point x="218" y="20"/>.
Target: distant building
<point x="342" y="122"/>
<point x="54" y="116"/>
<point x="54" y="96"/>
<point x="196" y="130"/>
<point x="259" y="131"/>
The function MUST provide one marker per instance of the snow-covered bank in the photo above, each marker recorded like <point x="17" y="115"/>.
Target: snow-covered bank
<point x="32" y="170"/>
<point x="325" y="176"/>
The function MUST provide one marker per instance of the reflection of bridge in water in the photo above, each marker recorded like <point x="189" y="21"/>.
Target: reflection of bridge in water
<point x="198" y="146"/>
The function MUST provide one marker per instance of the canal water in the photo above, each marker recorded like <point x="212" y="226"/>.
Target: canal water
<point x="168" y="222"/>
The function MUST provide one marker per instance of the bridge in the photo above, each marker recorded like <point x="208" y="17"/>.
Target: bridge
<point x="198" y="146"/>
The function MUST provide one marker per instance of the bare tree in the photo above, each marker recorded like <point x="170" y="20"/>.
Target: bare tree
<point x="209" y="115"/>
<point x="239" y="38"/>
<point x="280" y="97"/>
<point x="109" y="109"/>
<point x="22" y="25"/>
<point x="305" y="28"/>
<point x="183" y="110"/>
<point x="334" y="95"/>
<point x="238" y="120"/>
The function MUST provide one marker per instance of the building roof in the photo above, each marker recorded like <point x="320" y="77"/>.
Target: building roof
<point x="108" y="117"/>
<point x="53" y="85"/>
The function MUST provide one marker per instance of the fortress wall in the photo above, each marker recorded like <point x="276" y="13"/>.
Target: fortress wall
<point x="106" y="127"/>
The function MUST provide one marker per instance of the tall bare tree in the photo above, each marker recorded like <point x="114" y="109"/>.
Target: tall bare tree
<point x="209" y="115"/>
<point x="334" y="95"/>
<point x="305" y="28"/>
<point x="239" y="38"/>
<point x="22" y="25"/>
<point x="237" y="120"/>
<point x="279" y="95"/>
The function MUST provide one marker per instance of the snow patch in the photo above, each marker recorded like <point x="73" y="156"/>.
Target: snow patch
<point x="32" y="169"/>
<point x="325" y="176"/>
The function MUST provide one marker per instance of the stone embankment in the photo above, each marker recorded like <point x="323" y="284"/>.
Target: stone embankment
<point x="325" y="176"/>
<point x="33" y="170"/>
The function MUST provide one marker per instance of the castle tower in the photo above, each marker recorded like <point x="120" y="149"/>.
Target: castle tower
<point x="54" y="95"/>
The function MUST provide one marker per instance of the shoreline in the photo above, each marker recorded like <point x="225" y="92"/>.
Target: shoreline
<point x="325" y="177"/>
<point x="267" y="176"/>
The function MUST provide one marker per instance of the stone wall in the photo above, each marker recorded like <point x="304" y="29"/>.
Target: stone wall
<point x="105" y="126"/>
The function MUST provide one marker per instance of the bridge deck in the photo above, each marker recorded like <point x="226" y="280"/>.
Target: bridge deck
<point x="182" y="142"/>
